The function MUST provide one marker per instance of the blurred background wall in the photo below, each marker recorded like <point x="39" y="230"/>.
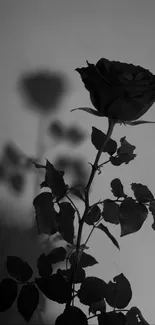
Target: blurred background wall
<point x="42" y="42"/>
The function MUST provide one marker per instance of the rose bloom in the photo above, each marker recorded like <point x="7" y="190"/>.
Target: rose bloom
<point x="120" y="91"/>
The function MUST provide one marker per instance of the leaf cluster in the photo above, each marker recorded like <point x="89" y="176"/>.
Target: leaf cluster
<point x="52" y="216"/>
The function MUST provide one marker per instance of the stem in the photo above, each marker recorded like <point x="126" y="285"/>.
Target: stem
<point x="93" y="316"/>
<point x="104" y="163"/>
<point x="76" y="209"/>
<point x="95" y="166"/>
<point x="92" y="231"/>
<point x="81" y="221"/>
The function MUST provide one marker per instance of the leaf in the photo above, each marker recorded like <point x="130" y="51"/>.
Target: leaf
<point x="125" y="148"/>
<point x="131" y="317"/>
<point x="18" y="268"/>
<point x="142" y="193"/>
<point x="105" y="229"/>
<point x="123" y="158"/>
<point x="57" y="255"/>
<point x="54" y="287"/>
<point x="85" y="260"/>
<point x="65" y="221"/>
<point x="45" y="213"/>
<point x="152" y="210"/>
<point x="98" y="306"/>
<point x="72" y="315"/>
<point x="98" y="138"/>
<point x="93" y="216"/>
<point x="87" y="109"/>
<point x="27" y="301"/>
<point x="55" y="181"/>
<point x="132" y="216"/>
<point x="8" y="293"/>
<point x="79" y="277"/>
<point x="92" y="290"/>
<point x="44" y="266"/>
<point x="112" y="318"/>
<point x="111" y="212"/>
<point x="132" y="313"/>
<point x="117" y="188"/>
<point x="138" y="122"/>
<point x="124" y="153"/>
<point x="118" y="293"/>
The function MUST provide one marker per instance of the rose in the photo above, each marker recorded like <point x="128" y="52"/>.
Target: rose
<point x="120" y="91"/>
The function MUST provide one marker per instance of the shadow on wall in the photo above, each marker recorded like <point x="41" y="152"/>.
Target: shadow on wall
<point x="41" y="91"/>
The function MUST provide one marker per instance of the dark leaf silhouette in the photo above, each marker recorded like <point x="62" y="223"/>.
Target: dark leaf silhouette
<point x="72" y="315"/>
<point x="79" y="277"/>
<point x="117" y="188"/>
<point x="142" y="193"/>
<point x="54" y="180"/>
<point x="124" y="153"/>
<point x="8" y="293"/>
<point x="132" y="216"/>
<point x="45" y="213"/>
<point x="18" y="268"/>
<point x="85" y="260"/>
<point x="118" y="293"/>
<point x="133" y="314"/>
<point x="98" y="306"/>
<point x="93" y="216"/>
<point x="132" y="317"/>
<point x="54" y="287"/>
<point x="152" y="210"/>
<point x="27" y="301"/>
<point x="42" y="89"/>
<point x="65" y="221"/>
<point x="44" y="266"/>
<point x="107" y="232"/>
<point x="125" y="148"/>
<point x="112" y="318"/>
<point x="111" y="212"/>
<point x="57" y="255"/>
<point x="123" y="158"/>
<point x="98" y="138"/>
<point x="92" y="290"/>
<point x="88" y="110"/>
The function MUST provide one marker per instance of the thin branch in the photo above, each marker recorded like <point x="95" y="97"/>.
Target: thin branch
<point x="99" y="166"/>
<point x="93" y="316"/>
<point x="76" y="209"/>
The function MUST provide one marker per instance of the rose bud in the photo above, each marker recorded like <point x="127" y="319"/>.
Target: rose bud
<point x="120" y="91"/>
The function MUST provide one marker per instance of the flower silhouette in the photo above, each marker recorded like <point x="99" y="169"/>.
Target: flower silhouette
<point x="120" y="91"/>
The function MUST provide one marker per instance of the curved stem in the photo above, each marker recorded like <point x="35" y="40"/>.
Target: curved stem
<point x="81" y="222"/>
<point x="76" y="209"/>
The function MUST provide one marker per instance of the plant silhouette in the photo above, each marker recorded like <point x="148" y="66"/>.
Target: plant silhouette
<point x="122" y="93"/>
